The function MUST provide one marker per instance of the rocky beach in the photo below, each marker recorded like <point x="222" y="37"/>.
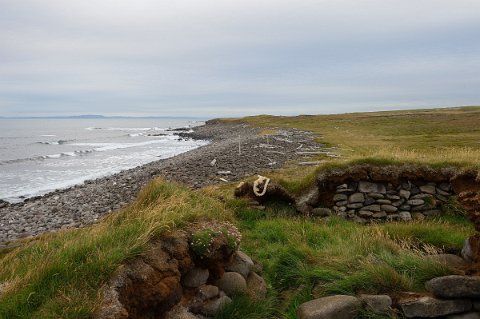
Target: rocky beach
<point x="234" y="151"/>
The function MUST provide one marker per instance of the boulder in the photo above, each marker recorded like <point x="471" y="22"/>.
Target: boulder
<point x="389" y="208"/>
<point x="368" y="187"/>
<point x="206" y="292"/>
<point x="379" y="304"/>
<point x="256" y="286"/>
<point x="355" y="205"/>
<point x="454" y="286"/>
<point x="241" y="263"/>
<point x="404" y="193"/>
<point x="195" y="277"/>
<point x="429" y="307"/>
<point x="372" y="208"/>
<point x="339" y="197"/>
<point x="332" y="307"/>
<point x="212" y="307"/>
<point x="415" y="202"/>
<point x="232" y="282"/>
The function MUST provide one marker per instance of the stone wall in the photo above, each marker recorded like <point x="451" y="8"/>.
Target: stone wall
<point x="365" y="201"/>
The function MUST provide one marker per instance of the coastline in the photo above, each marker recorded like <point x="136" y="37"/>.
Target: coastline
<point x="86" y="203"/>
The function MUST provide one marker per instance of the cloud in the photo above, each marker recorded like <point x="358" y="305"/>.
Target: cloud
<point x="221" y="58"/>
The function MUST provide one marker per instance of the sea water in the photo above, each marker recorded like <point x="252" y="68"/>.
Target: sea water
<point x="40" y="155"/>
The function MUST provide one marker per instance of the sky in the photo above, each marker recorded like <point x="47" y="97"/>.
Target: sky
<point x="211" y="58"/>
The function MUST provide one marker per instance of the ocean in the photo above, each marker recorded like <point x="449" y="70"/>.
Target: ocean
<point x="40" y="155"/>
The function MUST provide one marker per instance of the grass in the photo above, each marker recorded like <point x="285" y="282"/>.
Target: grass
<point x="305" y="258"/>
<point x="58" y="275"/>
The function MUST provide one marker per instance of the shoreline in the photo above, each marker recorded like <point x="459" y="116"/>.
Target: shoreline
<point x="85" y="203"/>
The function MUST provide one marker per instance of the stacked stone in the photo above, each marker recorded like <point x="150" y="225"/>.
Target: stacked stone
<point x="210" y="296"/>
<point x="366" y="201"/>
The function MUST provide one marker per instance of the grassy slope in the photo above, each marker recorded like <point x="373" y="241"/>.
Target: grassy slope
<point x="58" y="275"/>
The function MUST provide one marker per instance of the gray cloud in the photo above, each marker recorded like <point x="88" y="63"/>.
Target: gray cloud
<point x="230" y="58"/>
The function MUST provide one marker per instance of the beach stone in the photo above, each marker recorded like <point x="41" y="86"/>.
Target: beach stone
<point x="368" y="187"/>
<point x="379" y="215"/>
<point x="449" y="260"/>
<point x="342" y="203"/>
<point x="339" y="197"/>
<point x="431" y="307"/>
<point x="212" y="307"/>
<point x="454" y="286"/>
<point x="241" y="263"/>
<point x="404" y="193"/>
<point x="376" y="195"/>
<point x="405" y="216"/>
<point x="415" y="202"/>
<point x="206" y="292"/>
<point x="256" y="286"/>
<point x="468" y="315"/>
<point x="389" y="208"/>
<point x="429" y="189"/>
<point x="332" y="307"/>
<point x="393" y="197"/>
<point x="322" y="211"/>
<point x="379" y="304"/>
<point x="372" y="208"/>
<point x="232" y="282"/>
<point x="195" y="277"/>
<point x="356" y="198"/>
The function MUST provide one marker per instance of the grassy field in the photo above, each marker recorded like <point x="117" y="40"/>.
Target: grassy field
<point x="58" y="275"/>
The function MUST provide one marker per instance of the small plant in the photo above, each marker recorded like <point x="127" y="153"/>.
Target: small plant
<point x="206" y="240"/>
<point x="201" y="241"/>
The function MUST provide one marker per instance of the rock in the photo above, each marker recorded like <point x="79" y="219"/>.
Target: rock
<point x="212" y="307"/>
<point x="365" y="213"/>
<point x="376" y="195"/>
<point x="405" y="216"/>
<point x="404" y="193"/>
<point x="206" y="292"/>
<point x="389" y="208"/>
<point x="321" y="212"/>
<point x="356" y="198"/>
<point x="359" y="220"/>
<point x="342" y="203"/>
<point x="355" y="205"/>
<point x="332" y="307"/>
<point x="449" y="260"/>
<point x="398" y="203"/>
<point x="369" y="201"/>
<point x="429" y="189"/>
<point x="232" y="282"/>
<point x="256" y="286"/>
<point x="445" y="187"/>
<point x="195" y="277"/>
<point x="241" y="263"/>
<point x="431" y="307"/>
<point x="384" y="201"/>
<point x="415" y="202"/>
<point x="372" y="208"/>
<point x="442" y="192"/>
<point x="339" y="197"/>
<point x="379" y="215"/>
<point x="368" y="187"/>
<point x="379" y="304"/>
<point x="454" y="286"/>
<point x="468" y="315"/>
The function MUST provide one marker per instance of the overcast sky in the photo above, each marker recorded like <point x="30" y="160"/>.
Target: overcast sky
<point x="230" y="58"/>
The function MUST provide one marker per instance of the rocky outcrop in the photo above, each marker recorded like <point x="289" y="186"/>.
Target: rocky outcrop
<point x="182" y="275"/>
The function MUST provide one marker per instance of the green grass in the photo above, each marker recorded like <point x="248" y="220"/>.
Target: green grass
<point x="307" y="258"/>
<point x="58" y="275"/>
